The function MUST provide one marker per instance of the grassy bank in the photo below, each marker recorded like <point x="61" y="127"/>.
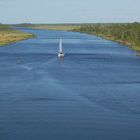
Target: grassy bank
<point x="65" y="27"/>
<point x="9" y="35"/>
<point x="125" y="33"/>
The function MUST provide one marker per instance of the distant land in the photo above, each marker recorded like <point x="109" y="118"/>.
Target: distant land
<point x="9" y="35"/>
<point x="125" y="33"/>
<point x="65" y="27"/>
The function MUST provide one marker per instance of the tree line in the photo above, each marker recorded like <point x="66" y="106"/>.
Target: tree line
<point x="127" y="33"/>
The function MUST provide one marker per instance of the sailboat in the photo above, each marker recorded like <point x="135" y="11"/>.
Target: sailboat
<point x="60" y="52"/>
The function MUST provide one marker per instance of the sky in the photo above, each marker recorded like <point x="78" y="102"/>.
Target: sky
<point x="69" y="11"/>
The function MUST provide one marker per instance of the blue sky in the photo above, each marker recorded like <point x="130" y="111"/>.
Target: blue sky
<point x="69" y="11"/>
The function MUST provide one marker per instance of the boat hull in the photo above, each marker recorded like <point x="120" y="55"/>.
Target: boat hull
<point x="61" y="55"/>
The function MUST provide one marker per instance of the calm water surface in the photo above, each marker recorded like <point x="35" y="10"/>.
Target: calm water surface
<point x="92" y="94"/>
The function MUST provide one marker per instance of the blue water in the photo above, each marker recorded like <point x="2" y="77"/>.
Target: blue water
<point x="92" y="94"/>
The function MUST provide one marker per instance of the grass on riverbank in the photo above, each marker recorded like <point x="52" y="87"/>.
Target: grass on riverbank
<point x="125" y="33"/>
<point x="9" y="35"/>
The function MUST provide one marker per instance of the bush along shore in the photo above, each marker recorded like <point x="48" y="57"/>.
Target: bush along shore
<point x="125" y="33"/>
<point x="9" y="35"/>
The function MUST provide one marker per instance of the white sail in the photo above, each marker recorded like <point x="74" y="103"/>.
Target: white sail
<point x="60" y="52"/>
<point x="60" y="47"/>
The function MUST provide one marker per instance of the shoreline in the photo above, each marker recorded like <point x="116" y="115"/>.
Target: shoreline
<point x="124" y="33"/>
<point x="128" y="44"/>
<point x="9" y="35"/>
<point x="12" y="38"/>
<point x="74" y="28"/>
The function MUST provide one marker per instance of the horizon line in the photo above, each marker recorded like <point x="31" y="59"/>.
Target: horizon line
<point x="59" y="23"/>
